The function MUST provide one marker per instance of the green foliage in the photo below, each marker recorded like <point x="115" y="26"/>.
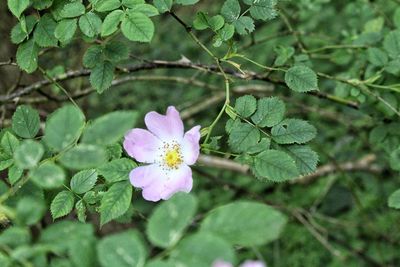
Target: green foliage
<point x="26" y="122"/>
<point x="270" y="112"/>
<point x="111" y="22"/>
<point x="136" y="26"/>
<point x="65" y="30"/>
<point x="62" y="204"/>
<point x="292" y="131"/>
<point x="117" y="170"/>
<point x="90" y="24"/>
<point x="102" y="75"/>
<point x="301" y="79"/>
<point x="28" y="154"/>
<point x="275" y="165"/>
<point x="27" y="56"/>
<point x="44" y="32"/>
<point x="394" y="200"/>
<point x="83" y="181"/>
<point x="48" y="176"/>
<point x="83" y="157"/>
<point x="17" y="6"/>
<point x="246" y="105"/>
<point x="243" y="136"/>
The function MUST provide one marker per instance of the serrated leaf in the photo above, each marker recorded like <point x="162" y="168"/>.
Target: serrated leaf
<point x="391" y="43"/>
<point x="101" y="76"/>
<point x="231" y="10"/>
<point x="292" y="131"/>
<point x="106" y="5"/>
<point x="170" y="219"/>
<point x="27" y="56"/>
<point x="246" y="105"/>
<point x="124" y="249"/>
<point x="26" y="122"/>
<point x="28" y="154"/>
<point x="83" y="181"/>
<point x="115" y="201"/>
<point x="17" y="6"/>
<point x="90" y="24"/>
<point x="83" y="157"/>
<point x="44" y="32"/>
<point x="132" y="3"/>
<point x="301" y="79"/>
<point x="377" y="57"/>
<point x="63" y="127"/>
<point x="81" y="210"/>
<point x="146" y="9"/>
<point x="394" y="200"/>
<point x="72" y="10"/>
<point x="163" y="5"/>
<point x="244" y="25"/>
<point x="111" y="22"/>
<point x="275" y="165"/>
<point x="305" y="158"/>
<point x="245" y="223"/>
<point x="48" y="176"/>
<point x="243" y="136"/>
<point x="62" y="204"/>
<point x="41" y="4"/>
<point x="137" y="27"/>
<point x="117" y="170"/>
<point x="284" y="53"/>
<point x="116" y="51"/>
<point x="93" y="56"/>
<point x="66" y="29"/>
<point x="262" y="9"/>
<point x="270" y="111"/>
<point x="9" y="143"/>
<point x="19" y="33"/>
<point x="14" y="174"/>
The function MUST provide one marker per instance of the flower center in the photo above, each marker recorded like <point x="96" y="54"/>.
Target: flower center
<point x="172" y="156"/>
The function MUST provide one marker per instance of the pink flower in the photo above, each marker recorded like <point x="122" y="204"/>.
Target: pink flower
<point x="168" y="151"/>
<point x="248" y="263"/>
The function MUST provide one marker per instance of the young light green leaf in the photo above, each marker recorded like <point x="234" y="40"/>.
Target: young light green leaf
<point x="245" y="223"/>
<point x="27" y="56"/>
<point x="109" y="128"/>
<point x="72" y="10"/>
<point x="262" y="9"/>
<point x="26" y="122"/>
<point x="62" y="204"/>
<point x="66" y="29"/>
<point x="63" y="127"/>
<point x="270" y="111"/>
<point x="246" y="105"/>
<point x="17" y="6"/>
<point x="137" y="27"/>
<point x="106" y="5"/>
<point x="275" y="166"/>
<point x="132" y="3"/>
<point x="306" y="159"/>
<point x="115" y="201"/>
<point x="170" y="219"/>
<point x="163" y="5"/>
<point x="28" y="154"/>
<point x="111" y="22"/>
<point x="90" y="24"/>
<point x="394" y="200"/>
<point x="83" y="181"/>
<point x="9" y="143"/>
<point x="292" y="131"/>
<point x="41" y="4"/>
<point x="101" y="76"/>
<point x="14" y="174"/>
<point x="231" y="10"/>
<point x="48" y="176"/>
<point x="83" y="157"/>
<point x="301" y="79"/>
<point x="146" y="9"/>
<point x="124" y="249"/>
<point x="117" y="170"/>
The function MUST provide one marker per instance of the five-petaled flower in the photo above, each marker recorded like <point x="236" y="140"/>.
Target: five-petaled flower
<point x="168" y="151"/>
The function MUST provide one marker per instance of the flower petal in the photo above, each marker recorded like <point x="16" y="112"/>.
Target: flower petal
<point x="250" y="263"/>
<point x="143" y="176"/>
<point x="142" y="145"/>
<point x="221" y="263"/>
<point x="166" y="127"/>
<point x="179" y="180"/>
<point x="191" y="146"/>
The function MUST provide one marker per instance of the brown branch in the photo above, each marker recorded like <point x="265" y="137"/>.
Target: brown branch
<point x="363" y="164"/>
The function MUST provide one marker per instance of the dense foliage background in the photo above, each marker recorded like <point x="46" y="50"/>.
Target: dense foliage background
<point x="262" y="78"/>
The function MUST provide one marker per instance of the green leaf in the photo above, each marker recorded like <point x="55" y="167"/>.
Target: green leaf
<point x="117" y="170"/>
<point x="17" y="6"/>
<point x="48" y="176"/>
<point x="14" y="174"/>
<point x="137" y="27"/>
<point x="377" y="57"/>
<point x="146" y="9"/>
<point x="30" y="210"/>
<point x="226" y="32"/>
<point x="243" y="136"/>
<point x="62" y="204"/>
<point x="160" y="263"/>
<point x="72" y="10"/>
<point x="101" y="76"/>
<point x="15" y="236"/>
<point x="201" y="250"/>
<point x="186" y="2"/>
<point x="169" y="220"/>
<point x="93" y="56"/>
<point x="41" y="4"/>
<point x="115" y="201"/>
<point x="124" y="249"/>
<point x="231" y="10"/>
<point x="284" y="53"/>
<point x="80" y="208"/>
<point x="82" y="252"/>
<point x="292" y="131"/>
<point x="83" y="181"/>
<point x="301" y="79"/>
<point x="111" y="22"/>
<point x="275" y="166"/>
<point x="66" y="29"/>
<point x="132" y="3"/>
<point x="395" y="159"/>
<point x="63" y="127"/>
<point x="246" y="105"/>
<point x="20" y="33"/>
<point x="109" y="128"/>
<point x="244" y="25"/>
<point x="26" y="122"/>
<point x="245" y="223"/>
<point x="270" y="111"/>
<point x="90" y="24"/>
<point x="28" y="154"/>
<point x="44" y="32"/>
<point x="116" y="51"/>
<point x="262" y="9"/>
<point x="106" y="5"/>
<point x="163" y="5"/>
<point x="201" y="21"/>
<point x="391" y="43"/>
<point x="83" y="157"/>
<point x="396" y="17"/>
<point x="27" y="56"/>
<point x="306" y="159"/>
<point x="9" y="143"/>
<point x="394" y="200"/>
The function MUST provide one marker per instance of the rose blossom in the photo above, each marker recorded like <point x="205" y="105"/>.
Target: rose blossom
<point x="167" y="150"/>
<point x="248" y="263"/>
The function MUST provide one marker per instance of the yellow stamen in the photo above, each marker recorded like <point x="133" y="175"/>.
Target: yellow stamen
<point x="173" y="158"/>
